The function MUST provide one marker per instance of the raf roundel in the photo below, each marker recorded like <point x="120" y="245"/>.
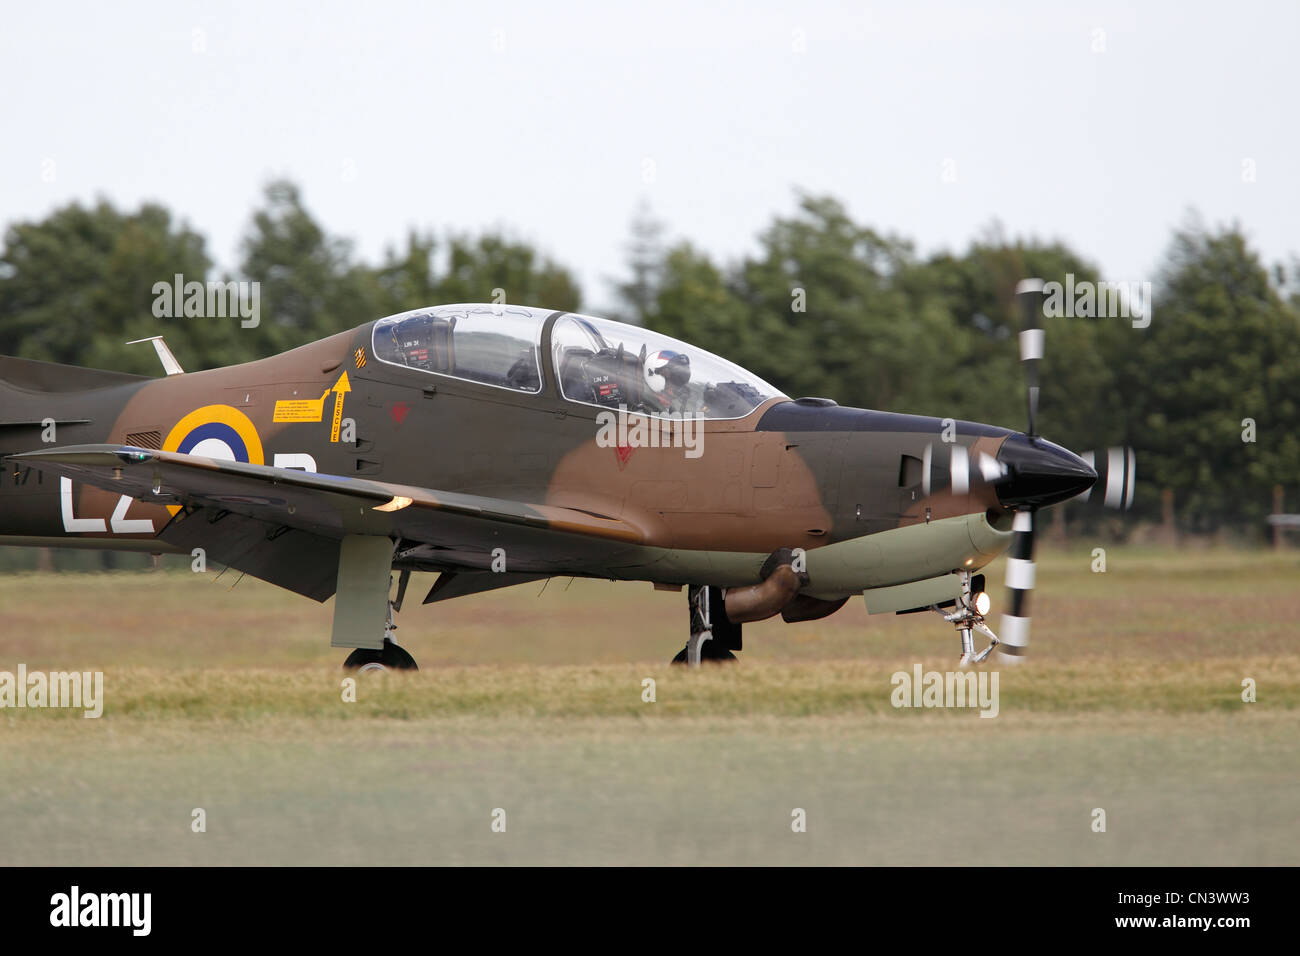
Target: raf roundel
<point x="216" y="431"/>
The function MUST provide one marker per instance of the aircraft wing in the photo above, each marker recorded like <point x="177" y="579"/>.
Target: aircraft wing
<point x="285" y="525"/>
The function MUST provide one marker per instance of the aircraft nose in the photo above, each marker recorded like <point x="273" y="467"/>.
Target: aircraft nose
<point x="1040" y="473"/>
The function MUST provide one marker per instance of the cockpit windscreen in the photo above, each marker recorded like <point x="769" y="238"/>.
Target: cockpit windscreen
<point x="599" y="362"/>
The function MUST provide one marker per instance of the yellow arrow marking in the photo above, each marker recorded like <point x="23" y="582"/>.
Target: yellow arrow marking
<point x="341" y="388"/>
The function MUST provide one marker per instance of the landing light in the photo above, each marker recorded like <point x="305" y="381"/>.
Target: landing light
<point x="982" y="603"/>
<point x="397" y="504"/>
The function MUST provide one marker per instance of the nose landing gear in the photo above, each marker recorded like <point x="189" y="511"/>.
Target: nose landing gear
<point x="968" y="617"/>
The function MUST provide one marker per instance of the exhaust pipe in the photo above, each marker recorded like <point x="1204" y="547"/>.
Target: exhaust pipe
<point x="780" y="586"/>
<point x="807" y="608"/>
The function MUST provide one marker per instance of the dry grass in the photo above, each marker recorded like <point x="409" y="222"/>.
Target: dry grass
<point x="802" y="689"/>
<point x="231" y="701"/>
<point x="1161" y="605"/>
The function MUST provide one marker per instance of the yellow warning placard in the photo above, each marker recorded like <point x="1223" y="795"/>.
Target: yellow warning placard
<point x="313" y="409"/>
<point x="299" y="409"/>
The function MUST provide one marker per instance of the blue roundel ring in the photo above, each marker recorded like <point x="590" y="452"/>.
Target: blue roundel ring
<point x="222" y="423"/>
<point x="220" y="431"/>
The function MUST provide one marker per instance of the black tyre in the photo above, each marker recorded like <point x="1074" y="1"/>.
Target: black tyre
<point x="710" y="652"/>
<point x="392" y="657"/>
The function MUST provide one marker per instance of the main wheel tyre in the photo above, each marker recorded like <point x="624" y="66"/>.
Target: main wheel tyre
<point x="708" y="652"/>
<point x="391" y="657"/>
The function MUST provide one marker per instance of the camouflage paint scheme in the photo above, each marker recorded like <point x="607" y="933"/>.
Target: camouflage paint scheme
<point x="485" y="468"/>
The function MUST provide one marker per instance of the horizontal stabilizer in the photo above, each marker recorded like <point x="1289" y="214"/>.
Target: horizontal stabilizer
<point x="33" y="376"/>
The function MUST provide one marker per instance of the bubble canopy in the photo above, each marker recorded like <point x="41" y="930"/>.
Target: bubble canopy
<point x="595" y="361"/>
<point x="599" y="362"/>
<point x="488" y="344"/>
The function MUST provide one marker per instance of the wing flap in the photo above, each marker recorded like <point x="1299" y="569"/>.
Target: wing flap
<point x="302" y="562"/>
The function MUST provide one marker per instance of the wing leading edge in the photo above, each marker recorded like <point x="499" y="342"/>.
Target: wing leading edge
<point x="284" y="525"/>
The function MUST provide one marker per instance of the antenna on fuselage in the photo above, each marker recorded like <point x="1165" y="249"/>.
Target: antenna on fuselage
<point x="169" y="363"/>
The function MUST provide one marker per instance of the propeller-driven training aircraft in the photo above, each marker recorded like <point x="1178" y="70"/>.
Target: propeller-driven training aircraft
<point x="498" y="445"/>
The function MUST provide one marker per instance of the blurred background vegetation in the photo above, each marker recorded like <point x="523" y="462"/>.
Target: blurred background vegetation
<point x="883" y="328"/>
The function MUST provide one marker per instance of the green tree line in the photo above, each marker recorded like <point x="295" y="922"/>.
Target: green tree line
<point x="825" y="306"/>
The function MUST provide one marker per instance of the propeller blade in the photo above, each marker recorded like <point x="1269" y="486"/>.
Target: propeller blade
<point x="1029" y="293"/>
<point x="951" y="466"/>
<point x="1116" y="469"/>
<point x="959" y="470"/>
<point x="1014" y="632"/>
<point x="991" y="470"/>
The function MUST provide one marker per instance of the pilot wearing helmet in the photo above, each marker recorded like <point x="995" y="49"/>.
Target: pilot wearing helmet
<point x="668" y="373"/>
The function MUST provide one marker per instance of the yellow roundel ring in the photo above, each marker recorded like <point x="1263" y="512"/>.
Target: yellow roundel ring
<point x="216" y="431"/>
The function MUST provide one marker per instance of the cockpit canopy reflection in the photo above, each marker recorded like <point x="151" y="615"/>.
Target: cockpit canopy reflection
<point x="596" y="361"/>
<point x="491" y="345"/>
<point x="599" y="362"/>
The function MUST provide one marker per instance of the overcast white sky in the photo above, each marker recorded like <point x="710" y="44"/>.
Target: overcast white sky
<point x="541" y="117"/>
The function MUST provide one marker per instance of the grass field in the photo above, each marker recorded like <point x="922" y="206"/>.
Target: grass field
<point x="530" y="700"/>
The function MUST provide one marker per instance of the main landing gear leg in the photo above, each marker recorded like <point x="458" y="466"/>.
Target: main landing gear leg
<point x="361" y="598"/>
<point x="712" y="637"/>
